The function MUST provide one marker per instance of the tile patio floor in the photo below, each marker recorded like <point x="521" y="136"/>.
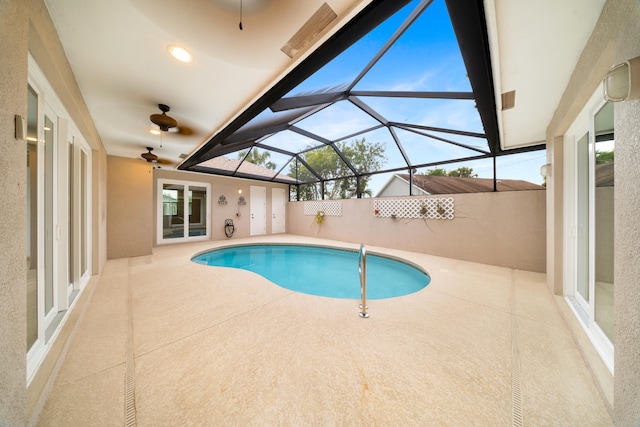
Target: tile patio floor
<point x="200" y="345"/>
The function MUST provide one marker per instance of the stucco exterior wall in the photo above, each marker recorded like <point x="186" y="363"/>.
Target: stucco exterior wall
<point x="615" y="38"/>
<point x="13" y="269"/>
<point x="229" y="188"/>
<point x="627" y="229"/>
<point x="129" y="208"/>
<point x="505" y="229"/>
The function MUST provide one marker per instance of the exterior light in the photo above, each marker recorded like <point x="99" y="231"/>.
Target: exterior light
<point x="545" y="170"/>
<point x="623" y="81"/>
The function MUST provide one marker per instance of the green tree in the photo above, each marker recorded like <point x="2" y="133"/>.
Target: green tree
<point x="604" y="157"/>
<point x="325" y="161"/>
<point x="257" y="157"/>
<point x="462" y="172"/>
<point x="435" y="172"/>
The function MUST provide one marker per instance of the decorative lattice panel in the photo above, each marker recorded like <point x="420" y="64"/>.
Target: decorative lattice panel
<point x="330" y="208"/>
<point x="429" y="208"/>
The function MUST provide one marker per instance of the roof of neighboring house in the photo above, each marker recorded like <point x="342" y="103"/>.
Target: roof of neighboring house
<point x="433" y="184"/>
<point x="605" y="174"/>
<point x="245" y="169"/>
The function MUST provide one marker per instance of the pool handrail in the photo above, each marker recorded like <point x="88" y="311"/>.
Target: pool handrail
<point x="362" y="269"/>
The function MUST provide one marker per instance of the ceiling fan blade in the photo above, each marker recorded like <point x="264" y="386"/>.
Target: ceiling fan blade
<point x="182" y="130"/>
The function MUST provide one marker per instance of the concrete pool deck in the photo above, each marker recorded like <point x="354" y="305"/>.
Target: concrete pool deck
<point x="197" y="345"/>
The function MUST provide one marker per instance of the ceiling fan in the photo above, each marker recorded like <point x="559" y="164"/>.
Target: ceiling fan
<point x="152" y="158"/>
<point x="167" y="123"/>
<point x="163" y="121"/>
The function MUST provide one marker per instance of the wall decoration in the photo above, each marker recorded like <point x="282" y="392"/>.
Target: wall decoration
<point x="429" y="208"/>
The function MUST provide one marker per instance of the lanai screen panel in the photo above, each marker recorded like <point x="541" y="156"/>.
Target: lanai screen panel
<point x="402" y="88"/>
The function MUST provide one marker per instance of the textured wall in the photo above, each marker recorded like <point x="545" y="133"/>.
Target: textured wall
<point x="129" y="207"/>
<point x="505" y="229"/>
<point x="627" y="232"/>
<point x="221" y="186"/>
<point x="99" y="206"/>
<point x="13" y="100"/>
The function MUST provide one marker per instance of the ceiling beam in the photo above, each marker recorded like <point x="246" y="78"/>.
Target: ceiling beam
<point x="413" y="94"/>
<point x="470" y="27"/>
<point x="435" y="129"/>
<point x="301" y="101"/>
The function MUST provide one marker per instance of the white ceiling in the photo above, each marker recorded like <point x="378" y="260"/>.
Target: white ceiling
<point x="535" y="46"/>
<point x="118" y="52"/>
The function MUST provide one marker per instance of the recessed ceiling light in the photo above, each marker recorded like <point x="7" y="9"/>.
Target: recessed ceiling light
<point x="154" y="131"/>
<point x="180" y="54"/>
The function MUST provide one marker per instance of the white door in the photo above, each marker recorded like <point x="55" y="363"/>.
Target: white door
<point x="277" y="211"/>
<point x="258" y="209"/>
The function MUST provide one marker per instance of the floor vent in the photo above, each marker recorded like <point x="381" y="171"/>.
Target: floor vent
<point x="516" y="392"/>
<point x="129" y="381"/>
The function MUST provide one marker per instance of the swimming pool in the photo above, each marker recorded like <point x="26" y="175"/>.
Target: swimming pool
<point x="323" y="271"/>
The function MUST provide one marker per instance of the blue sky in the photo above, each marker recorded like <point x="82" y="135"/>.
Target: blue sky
<point x="425" y="58"/>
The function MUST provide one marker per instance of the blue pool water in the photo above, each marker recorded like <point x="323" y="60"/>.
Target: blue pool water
<point x="320" y="271"/>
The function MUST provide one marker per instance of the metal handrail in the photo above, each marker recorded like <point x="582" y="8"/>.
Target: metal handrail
<point x="362" y="269"/>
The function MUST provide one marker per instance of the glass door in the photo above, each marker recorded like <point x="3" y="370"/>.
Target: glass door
<point x="83" y="225"/>
<point x="183" y="211"/>
<point x="78" y="246"/>
<point x="603" y="163"/>
<point x="50" y="192"/>
<point x="589" y="222"/>
<point x="32" y="218"/>
<point x="172" y="211"/>
<point x="72" y="220"/>
<point x="582" y="190"/>
<point x="58" y="212"/>
<point x="197" y="224"/>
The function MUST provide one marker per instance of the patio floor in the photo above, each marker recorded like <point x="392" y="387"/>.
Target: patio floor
<point x="166" y="341"/>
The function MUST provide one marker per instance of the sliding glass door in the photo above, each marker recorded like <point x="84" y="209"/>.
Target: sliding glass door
<point x="589" y="222"/>
<point x="183" y="211"/>
<point x="58" y="216"/>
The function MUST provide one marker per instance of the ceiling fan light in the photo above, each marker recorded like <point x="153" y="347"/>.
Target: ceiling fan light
<point x="154" y="131"/>
<point x="181" y="54"/>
